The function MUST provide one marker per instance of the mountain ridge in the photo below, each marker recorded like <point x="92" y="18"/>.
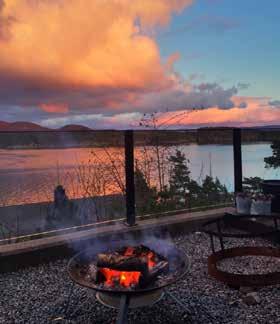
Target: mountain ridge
<point x="22" y="126"/>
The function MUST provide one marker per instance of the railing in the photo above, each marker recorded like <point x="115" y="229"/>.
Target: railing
<point x="128" y="141"/>
<point x="129" y="171"/>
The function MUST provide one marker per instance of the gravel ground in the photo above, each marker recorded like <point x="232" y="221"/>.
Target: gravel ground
<point x="250" y="265"/>
<point x="38" y="295"/>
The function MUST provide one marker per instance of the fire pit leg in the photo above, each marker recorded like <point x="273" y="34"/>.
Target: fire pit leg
<point x="220" y="235"/>
<point x="212" y="243"/>
<point x="275" y="222"/>
<point x="124" y="303"/>
<point x="189" y="309"/>
<point x="65" y="310"/>
<point x="68" y="300"/>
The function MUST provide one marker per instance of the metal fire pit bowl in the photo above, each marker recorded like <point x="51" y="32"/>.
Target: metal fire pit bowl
<point x="177" y="259"/>
<point x="238" y="280"/>
<point x="123" y="299"/>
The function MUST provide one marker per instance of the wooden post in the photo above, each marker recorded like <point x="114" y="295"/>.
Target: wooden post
<point x="129" y="177"/>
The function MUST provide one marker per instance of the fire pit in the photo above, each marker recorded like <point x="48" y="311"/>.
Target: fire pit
<point x="238" y="280"/>
<point x="128" y="275"/>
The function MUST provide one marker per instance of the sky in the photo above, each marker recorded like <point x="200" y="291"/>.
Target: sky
<point x="108" y="63"/>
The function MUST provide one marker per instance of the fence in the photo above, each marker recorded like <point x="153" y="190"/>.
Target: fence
<point x="126" y="201"/>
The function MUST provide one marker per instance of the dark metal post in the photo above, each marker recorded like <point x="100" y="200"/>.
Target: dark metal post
<point x="220" y="235"/>
<point x="129" y="177"/>
<point x="237" y="160"/>
<point x="123" y="309"/>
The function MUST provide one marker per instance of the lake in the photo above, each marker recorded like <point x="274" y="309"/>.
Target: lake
<point x="29" y="176"/>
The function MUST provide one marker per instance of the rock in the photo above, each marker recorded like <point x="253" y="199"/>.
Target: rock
<point x="233" y="287"/>
<point x="246" y="290"/>
<point x="39" y="294"/>
<point x="251" y="299"/>
<point x="63" y="212"/>
<point x="234" y="302"/>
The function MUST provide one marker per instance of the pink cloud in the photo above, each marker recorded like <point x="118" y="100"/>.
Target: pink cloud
<point x="258" y="111"/>
<point x="54" y="108"/>
<point x="89" y="57"/>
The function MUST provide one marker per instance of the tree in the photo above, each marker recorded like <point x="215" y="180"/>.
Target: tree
<point x="145" y="195"/>
<point x="221" y="188"/>
<point x="274" y="160"/>
<point x="214" y="191"/>
<point x="253" y="184"/>
<point x="180" y="174"/>
<point x="159" y="152"/>
<point x="209" y="186"/>
<point x="194" y="188"/>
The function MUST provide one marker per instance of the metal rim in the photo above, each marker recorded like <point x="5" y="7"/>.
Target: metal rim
<point x="103" y="302"/>
<point x="84" y="283"/>
<point x="238" y="280"/>
<point x="239" y="235"/>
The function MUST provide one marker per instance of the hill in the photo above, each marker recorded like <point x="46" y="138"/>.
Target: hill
<point x="73" y="127"/>
<point x="21" y="127"/>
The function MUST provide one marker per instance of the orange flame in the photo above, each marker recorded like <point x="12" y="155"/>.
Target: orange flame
<point x="129" y="251"/>
<point x="127" y="278"/>
<point x="151" y="260"/>
<point x="124" y="278"/>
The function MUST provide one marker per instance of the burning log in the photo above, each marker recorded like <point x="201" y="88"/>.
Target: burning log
<point x="90" y="272"/>
<point x="93" y="273"/>
<point x="160" y="268"/>
<point x="123" y="262"/>
<point x="130" y="267"/>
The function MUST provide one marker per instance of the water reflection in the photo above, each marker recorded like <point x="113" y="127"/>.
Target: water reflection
<point x="29" y="176"/>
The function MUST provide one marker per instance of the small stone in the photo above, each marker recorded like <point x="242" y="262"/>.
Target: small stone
<point x="251" y="299"/>
<point x="233" y="303"/>
<point x="39" y="294"/>
<point x="246" y="290"/>
<point x="233" y="287"/>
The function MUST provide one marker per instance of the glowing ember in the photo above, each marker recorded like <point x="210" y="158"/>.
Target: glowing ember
<point x="151" y="260"/>
<point x="129" y="251"/>
<point x="124" y="278"/>
<point x="130" y="267"/>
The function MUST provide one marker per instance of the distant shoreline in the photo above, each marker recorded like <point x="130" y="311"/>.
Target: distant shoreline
<point x="122" y="147"/>
<point x="98" y="139"/>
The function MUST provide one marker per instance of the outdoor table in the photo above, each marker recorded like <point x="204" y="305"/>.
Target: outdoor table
<point x="252" y="228"/>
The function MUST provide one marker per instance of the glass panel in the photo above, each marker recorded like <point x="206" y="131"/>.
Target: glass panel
<point x="56" y="180"/>
<point x="183" y="170"/>
<point x="258" y="159"/>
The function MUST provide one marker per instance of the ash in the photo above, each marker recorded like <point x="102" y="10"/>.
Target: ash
<point x="39" y="294"/>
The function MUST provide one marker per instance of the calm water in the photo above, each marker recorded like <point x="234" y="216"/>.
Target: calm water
<point x="28" y="176"/>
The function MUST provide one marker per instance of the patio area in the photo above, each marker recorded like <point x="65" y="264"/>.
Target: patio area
<point x="39" y="294"/>
<point x="139" y="162"/>
<point x="36" y="287"/>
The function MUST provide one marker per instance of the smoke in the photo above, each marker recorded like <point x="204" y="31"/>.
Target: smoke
<point x="158" y="239"/>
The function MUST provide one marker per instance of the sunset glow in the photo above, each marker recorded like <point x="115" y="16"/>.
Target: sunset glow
<point x="112" y="60"/>
<point x="257" y="112"/>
